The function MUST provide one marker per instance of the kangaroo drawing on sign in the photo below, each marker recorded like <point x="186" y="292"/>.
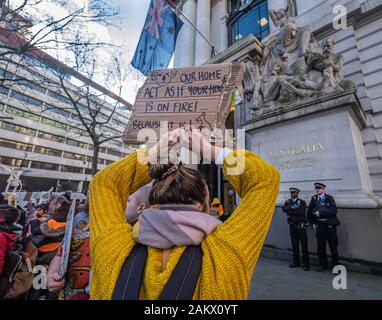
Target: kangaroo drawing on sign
<point x="203" y="121"/>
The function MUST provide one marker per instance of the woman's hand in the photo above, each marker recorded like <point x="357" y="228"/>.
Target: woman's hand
<point x="165" y="147"/>
<point x="193" y="140"/>
<point x="55" y="282"/>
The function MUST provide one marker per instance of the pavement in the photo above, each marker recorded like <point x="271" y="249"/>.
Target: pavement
<point x="274" y="280"/>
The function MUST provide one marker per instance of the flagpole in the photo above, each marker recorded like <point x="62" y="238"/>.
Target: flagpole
<point x="172" y="5"/>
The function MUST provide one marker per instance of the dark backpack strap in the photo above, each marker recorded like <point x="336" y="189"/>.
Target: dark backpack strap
<point x="182" y="283"/>
<point x="129" y="280"/>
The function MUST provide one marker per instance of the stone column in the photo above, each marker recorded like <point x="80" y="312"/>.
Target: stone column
<point x="219" y="32"/>
<point x="185" y="45"/>
<point x="203" y="22"/>
<point x="223" y="26"/>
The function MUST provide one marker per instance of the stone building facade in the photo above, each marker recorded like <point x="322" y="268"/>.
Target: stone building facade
<point x="352" y="169"/>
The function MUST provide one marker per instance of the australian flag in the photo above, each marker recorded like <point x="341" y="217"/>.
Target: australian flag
<point x="157" y="42"/>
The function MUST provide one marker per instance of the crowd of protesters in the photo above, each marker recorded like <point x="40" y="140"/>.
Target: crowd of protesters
<point x="30" y="237"/>
<point x="151" y="226"/>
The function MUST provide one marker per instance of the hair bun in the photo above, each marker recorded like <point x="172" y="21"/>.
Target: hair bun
<point x="156" y="171"/>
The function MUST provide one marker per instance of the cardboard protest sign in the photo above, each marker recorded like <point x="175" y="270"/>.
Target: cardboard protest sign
<point x="66" y="242"/>
<point x="200" y="96"/>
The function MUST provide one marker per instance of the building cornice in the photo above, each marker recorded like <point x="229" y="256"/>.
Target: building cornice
<point x="247" y="46"/>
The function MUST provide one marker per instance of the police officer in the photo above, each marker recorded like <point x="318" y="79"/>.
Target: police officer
<point x="295" y="208"/>
<point x="322" y="214"/>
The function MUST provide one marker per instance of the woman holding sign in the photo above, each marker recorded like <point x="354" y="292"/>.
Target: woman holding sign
<point x="176" y="234"/>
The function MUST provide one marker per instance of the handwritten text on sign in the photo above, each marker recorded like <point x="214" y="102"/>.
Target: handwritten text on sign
<point x="198" y="96"/>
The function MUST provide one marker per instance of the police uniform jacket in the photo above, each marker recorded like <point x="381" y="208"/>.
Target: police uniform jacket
<point x="295" y="213"/>
<point x="327" y="209"/>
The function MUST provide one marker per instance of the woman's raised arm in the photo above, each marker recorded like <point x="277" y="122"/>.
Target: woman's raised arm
<point x="257" y="184"/>
<point x="111" y="187"/>
<point x="109" y="190"/>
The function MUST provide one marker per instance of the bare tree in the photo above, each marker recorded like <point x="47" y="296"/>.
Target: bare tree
<point x="93" y="112"/>
<point x="82" y="56"/>
<point x="23" y="36"/>
<point x="124" y="77"/>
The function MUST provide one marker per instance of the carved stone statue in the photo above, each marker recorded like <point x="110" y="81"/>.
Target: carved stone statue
<point x="293" y="66"/>
<point x="331" y="65"/>
<point x="281" y="15"/>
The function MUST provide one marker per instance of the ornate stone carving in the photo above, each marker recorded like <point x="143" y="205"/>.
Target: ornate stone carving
<point x="293" y="66"/>
<point x="241" y="5"/>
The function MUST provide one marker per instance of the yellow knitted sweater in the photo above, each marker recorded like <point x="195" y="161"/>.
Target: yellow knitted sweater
<point x="230" y="252"/>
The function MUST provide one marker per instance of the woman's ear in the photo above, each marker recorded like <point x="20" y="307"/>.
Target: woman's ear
<point x="199" y="206"/>
<point x="141" y="207"/>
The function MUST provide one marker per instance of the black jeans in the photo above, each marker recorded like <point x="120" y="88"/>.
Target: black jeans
<point x="325" y="233"/>
<point x="298" y="235"/>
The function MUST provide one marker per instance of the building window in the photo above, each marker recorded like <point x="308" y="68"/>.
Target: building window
<point x="26" y="99"/>
<point x="76" y="143"/>
<point x="246" y="19"/>
<point x="53" y="123"/>
<point x="72" y="142"/>
<point x="74" y="156"/>
<point x="78" y="131"/>
<point x="21" y="113"/>
<point x="48" y="151"/>
<point x="68" y="185"/>
<point x="29" y="84"/>
<point x="51" y="137"/>
<point x="99" y="160"/>
<point x="114" y="153"/>
<point x="48" y="122"/>
<point x="57" y="110"/>
<point x="41" y="63"/>
<point x="76" y="118"/>
<point x="110" y="130"/>
<point x="117" y="143"/>
<point x="14" y="162"/>
<point x="3" y="90"/>
<point x="117" y="122"/>
<point x="82" y="108"/>
<point x="102" y="116"/>
<point x="85" y="120"/>
<point x="6" y="75"/>
<point x="44" y="165"/>
<point x="59" y="97"/>
<point x="18" y="129"/>
<point x="15" y="145"/>
<point x="71" y="169"/>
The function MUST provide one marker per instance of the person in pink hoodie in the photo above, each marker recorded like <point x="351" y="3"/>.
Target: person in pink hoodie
<point x="8" y="216"/>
